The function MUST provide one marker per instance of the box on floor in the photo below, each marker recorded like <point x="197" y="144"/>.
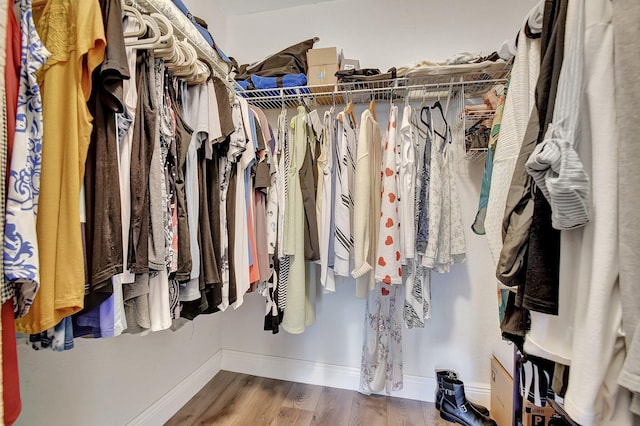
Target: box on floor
<point x="501" y="394"/>
<point x="532" y="415"/>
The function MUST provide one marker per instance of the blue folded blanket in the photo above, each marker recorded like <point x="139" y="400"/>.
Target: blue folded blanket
<point x="288" y="80"/>
<point x="243" y="83"/>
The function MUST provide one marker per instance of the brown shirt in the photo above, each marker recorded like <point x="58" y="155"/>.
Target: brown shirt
<point x="224" y="108"/>
<point x="102" y="187"/>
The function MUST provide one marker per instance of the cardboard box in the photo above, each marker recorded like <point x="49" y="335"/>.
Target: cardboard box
<point x="533" y="415"/>
<point x="350" y="64"/>
<point x="501" y="394"/>
<point x="322" y="75"/>
<point x="322" y="56"/>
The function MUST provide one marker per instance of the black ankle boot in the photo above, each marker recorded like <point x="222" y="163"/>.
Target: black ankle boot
<point x="440" y="375"/>
<point x="455" y="408"/>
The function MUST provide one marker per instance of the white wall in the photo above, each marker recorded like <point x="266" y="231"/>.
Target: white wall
<point x="381" y="33"/>
<point x="111" y="381"/>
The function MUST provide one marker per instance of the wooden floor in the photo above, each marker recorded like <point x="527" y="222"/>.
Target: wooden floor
<point x="240" y="399"/>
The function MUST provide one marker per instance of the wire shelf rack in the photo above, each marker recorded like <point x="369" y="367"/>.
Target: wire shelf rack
<point x="411" y="89"/>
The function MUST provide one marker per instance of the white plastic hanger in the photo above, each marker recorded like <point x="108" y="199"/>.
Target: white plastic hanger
<point x="132" y="12"/>
<point x="166" y="30"/>
<point x="187" y="68"/>
<point x="168" y="51"/>
<point x="147" y="42"/>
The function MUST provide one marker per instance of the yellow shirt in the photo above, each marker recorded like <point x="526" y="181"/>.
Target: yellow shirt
<point x="73" y="31"/>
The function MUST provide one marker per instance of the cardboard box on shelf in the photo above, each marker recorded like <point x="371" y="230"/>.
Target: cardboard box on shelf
<point x="501" y="394"/>
<point x="322" y="75"/>
<point x="350" y="64"/>
<point x="322" y="56"/>
<point x="532" y="415"/>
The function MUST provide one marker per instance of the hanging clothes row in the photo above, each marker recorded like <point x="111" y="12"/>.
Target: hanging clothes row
<point x="557" y="191"/>
<point x="352" y="225"/>
<point x="145" y="175"/>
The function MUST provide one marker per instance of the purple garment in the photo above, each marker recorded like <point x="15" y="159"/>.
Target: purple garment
<point x="272" y="141"/>
<point x="107" y="318"/>
<point x="97" y="322"/>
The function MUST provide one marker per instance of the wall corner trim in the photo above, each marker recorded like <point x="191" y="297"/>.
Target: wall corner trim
<point x="164" y="408"/>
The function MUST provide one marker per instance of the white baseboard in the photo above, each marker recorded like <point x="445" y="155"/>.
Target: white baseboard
<point x="316" y="373"/>
<point x="336" y="376"/>
<point x="164" y="408"/>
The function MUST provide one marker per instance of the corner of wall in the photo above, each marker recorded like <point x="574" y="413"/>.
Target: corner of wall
<point x="164" y="408"/>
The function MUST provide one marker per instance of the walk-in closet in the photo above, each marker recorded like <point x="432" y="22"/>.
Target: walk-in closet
<point x="320" y="212"/>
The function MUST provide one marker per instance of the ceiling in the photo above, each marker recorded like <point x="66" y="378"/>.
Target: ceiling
<point x="246" y="7"/>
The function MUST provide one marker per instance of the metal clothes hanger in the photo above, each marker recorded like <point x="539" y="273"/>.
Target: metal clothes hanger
<point x="446" y="140"/>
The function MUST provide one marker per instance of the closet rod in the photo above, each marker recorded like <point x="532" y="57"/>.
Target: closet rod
<point x="185" y="29"/>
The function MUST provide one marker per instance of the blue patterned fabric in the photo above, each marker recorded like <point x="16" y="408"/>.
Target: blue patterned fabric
<point x="20" y="255"/>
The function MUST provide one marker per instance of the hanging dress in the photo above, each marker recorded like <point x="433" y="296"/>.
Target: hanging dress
<point x="446" y="244"/>
<point x="294" y="315"/>
<point x="381" y="365"/>
<point x="388" y="268"/>
<point x="417" y="278"/>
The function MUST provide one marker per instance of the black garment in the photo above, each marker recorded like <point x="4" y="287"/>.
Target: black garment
<point x="543" y="258"/>
<point x="292" y="60"/>
<point x="516" y="322"/>
<point x="261" y="170"/>
<point x="213" y="199"/>
<point x="103" y="235"/>
<point x="537" y="280"/>
<point x="144" y="130"/>
<point x="231" y="218"/>
<point x="208" y="265"/>
<point x="311" y="241"/>
<point x="183" y="139"/>
<point x="365" y="75"/>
